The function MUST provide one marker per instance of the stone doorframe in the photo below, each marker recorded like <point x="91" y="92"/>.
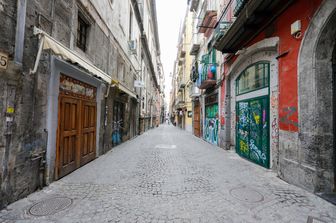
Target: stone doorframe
<point x="264" y="50"/>
<point x="57" y="67"/>
<point x="315" y="91"/>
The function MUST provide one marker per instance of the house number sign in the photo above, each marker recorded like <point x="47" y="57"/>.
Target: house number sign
<point x="3" y="60"/>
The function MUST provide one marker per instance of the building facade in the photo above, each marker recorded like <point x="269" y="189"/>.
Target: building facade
<point x="203" y="71"/>
<point x="265" y="70"/>
<point x="182" y="107"/>
<point x="78" y="77"/>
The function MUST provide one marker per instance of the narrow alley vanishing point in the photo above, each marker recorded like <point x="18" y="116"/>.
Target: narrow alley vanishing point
<point x="168" y="175"/>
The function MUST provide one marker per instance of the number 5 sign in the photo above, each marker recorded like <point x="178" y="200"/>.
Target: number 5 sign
<point x="3" y="60"/>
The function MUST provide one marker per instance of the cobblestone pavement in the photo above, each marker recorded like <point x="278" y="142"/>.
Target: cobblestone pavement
<point x="168" y="175"/>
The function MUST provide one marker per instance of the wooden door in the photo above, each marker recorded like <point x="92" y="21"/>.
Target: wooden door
<point x="76" y="133"/>
<point x="69" y="135"/>
<point x="88" y="132"/>
<point x="197" y="116"/>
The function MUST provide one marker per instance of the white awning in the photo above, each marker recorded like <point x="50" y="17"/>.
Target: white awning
<point x="123" y="88"/>
<point x="47" y="42"/>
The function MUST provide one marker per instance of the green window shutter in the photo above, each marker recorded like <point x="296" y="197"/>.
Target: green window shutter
<point x="213" y="56"/>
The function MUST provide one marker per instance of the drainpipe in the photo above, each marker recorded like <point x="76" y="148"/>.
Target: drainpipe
<point x="20" y="30"/>
<point x="106" y="112"/>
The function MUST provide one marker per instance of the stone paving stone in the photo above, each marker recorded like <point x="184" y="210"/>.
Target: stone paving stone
<point x="168" y="175"/>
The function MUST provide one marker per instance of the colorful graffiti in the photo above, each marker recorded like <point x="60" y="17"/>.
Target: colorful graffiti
<point x="243" y="147"/>
<point x="253" y="130"/>
<point x="211" y="125"/>
<point x="116" y="134"/>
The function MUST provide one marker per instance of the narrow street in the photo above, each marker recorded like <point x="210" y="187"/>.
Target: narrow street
<point x="168" y="175"/>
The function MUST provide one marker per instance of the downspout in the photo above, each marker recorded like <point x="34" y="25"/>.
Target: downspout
<point x="20" y="30"/>
<point x="105" y="113"/>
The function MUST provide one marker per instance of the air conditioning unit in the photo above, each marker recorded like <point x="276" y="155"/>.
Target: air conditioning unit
<point x="132" y="46"/>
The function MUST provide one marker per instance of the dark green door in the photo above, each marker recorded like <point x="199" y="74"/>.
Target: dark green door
<point x="253" y="130"/>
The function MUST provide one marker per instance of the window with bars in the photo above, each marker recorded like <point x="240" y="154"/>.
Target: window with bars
<point x="82" y="32"/>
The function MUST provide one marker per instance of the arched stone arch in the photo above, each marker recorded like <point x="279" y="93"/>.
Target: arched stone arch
<point x="264" y="50"/>
<point x="316" y="109"/>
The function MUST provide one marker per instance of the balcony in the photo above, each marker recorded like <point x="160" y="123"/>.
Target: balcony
<point x="195" y="44"/>
<point x="179" y="102"/>
<point x="181" y="83"/>
<point x="181" y="61"/>
<point x="207" y="83"/>
<point x="221" y="29"/>
<point x="207" y="77"/>
<point x="246" y="26"/>
<point x="182" y="53"/>
<point x="194" y="91"/>
<point x="208" y="16"/>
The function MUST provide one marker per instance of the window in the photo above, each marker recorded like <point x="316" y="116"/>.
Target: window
<point x="82" y="32"/>
<point x="253" y="78"/>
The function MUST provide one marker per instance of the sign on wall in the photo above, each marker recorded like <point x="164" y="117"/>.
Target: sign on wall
<point x="3" y="60"/>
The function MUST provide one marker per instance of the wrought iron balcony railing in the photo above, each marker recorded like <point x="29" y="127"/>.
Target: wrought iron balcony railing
<point x="239" y="6"/>
<point x="226" y="20"/>
<point x="208" y="71"/>
<point x="221" y="29"/>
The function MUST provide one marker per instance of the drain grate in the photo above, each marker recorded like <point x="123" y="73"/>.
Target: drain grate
<point x="247" y="195"/>
<point x="314" y="220"/>
<point x="50" y="206"/>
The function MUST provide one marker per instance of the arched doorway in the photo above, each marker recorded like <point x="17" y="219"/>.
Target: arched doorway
<point x="317" y="102"/>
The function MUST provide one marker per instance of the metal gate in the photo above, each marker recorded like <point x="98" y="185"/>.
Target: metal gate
<point x="252" y="136"/>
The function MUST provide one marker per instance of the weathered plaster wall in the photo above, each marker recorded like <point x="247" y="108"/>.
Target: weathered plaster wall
<point x="314" y="159"/>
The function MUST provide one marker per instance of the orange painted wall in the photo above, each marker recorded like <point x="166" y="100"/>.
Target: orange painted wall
<point x="288" y="79"/>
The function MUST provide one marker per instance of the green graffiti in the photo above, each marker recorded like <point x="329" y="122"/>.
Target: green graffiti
<point x="253" y="130"/>
<point x="211" y="125"/>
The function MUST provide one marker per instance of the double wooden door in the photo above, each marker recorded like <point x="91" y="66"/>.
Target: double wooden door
<point x="197" y="121"/>
<point x="76" y="141"/>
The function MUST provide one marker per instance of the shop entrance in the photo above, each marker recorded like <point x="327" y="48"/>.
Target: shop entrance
<point x="118" y="122"/>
